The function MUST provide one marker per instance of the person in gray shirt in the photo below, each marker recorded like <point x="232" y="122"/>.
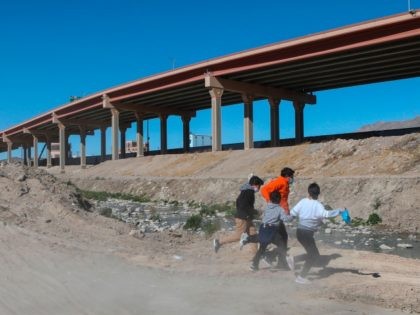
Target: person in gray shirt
<point x="269" y="232"/>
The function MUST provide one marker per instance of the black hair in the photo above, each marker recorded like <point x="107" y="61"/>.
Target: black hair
<point x="314" y="190"/>
<point x="287" y="172"/>
<point x="275" y="196"/>
<point x="255" y="180"/>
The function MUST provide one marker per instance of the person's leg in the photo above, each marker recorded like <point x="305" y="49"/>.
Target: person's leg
<point x="253" y="236"/>
<point x="257" y="257"/>
<point x="240" y="227"/>
<point x="281" y="242"/>
<point x="283" y="233"/>
<point x="306" y="238"/>
<point x="281" y="251"/>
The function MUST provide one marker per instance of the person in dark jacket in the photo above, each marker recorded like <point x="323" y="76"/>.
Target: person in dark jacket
<point x="245" y="213"/>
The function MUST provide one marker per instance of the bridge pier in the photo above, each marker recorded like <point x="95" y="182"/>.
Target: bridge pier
<point x="274" y="121"/>
<point x="186" y="132"/>
<point x="216" y="124"/>
<point x="299" y="127"/>
<point x="163" y="133"/>
<point x="82" y="146"/>
<point x="248" y="121"/>
<point x="139" y="134"/>
<point x="103" y="143"/>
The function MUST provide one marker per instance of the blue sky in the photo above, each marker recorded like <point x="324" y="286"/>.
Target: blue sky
<point x="51" y="50"/>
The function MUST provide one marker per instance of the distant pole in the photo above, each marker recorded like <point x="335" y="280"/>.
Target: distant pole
<point x="409" y="5"/>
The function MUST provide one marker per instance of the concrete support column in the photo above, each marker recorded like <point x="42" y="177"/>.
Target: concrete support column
<point x="49" y="163"/>
<point x="299" y="128"/>
<point x="82" y="146"/>
<point x="29" y="155"/>
<point x="163" y="133"/>
<point x="248" y="121"/>
<point x="9" y="152"/>
<point x="67" y="146"/>
<point x="114" y="134"/>
<point x="216" y="122"/>
<point x="25" y="154"/>
<point x="123" y="130"/>
<point x="103" y="143"/>
<point x="62" y="141"/>
<point x="186" y="132"/>
<point x="274" y="121"/>
<point x="139" y="135"/>
<point x="35" y="139"/>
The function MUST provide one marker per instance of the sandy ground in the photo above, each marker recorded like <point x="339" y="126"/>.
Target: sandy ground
<point x="42" y="274"/>
<point x="82" y="263"/>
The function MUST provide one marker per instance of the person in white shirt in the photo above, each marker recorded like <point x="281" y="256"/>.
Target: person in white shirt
<point x="310" y="213"/>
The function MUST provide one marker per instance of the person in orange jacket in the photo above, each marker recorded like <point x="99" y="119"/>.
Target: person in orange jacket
<point x="281" y="184"/>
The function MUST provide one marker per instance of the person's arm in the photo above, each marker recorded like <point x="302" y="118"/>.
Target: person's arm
<point x="285" y="217"/>
<point x="264" y="192"/>
<point x="296" y="209"/>
<point x="328" y="213"/>
<point x="250" y="200"/>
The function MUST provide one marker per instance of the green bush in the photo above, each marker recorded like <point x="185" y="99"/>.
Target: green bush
<point x="212" y="209"/>
<point x="174" y="203"/>
<point x="356" y="221"/>
<point x="374" y="219"/>
<point x="192" y="204"/>
<point x="193" y="222"/>
<point x="210" y="228"/>
<point x="106" y="212"/>
<point x="155" y="217"/>
<point x="208" y="210"/>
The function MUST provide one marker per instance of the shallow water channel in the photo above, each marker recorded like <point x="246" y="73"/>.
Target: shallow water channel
<point x="155" y="217"/>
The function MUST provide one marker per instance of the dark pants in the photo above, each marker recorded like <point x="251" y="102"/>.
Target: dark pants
<point x="306" y="238"/>
<point x="275" y="235"/>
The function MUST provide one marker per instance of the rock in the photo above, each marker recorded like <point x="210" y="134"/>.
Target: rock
<point x="21" y="178"/>
<point x="385" y="247"/>
<point x="337" y="242"/>
<point x="174" y="234"/>
<point x="137" y="234"/>
<point x="327" y="231"/>
<point x="404" y="245"/>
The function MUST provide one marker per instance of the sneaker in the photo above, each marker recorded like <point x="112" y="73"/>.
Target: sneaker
<point x="302" y="280"/>
<point x="268" y="259"/>
<point x="216" y="245"/>
<point x="253" y="268"/>
<point x="243" y="240"/>
<point x="291" y="262"/>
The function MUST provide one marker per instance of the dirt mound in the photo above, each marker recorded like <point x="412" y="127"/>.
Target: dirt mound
<point x="415" y="122"/>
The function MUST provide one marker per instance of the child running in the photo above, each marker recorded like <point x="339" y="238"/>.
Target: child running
<point x="310" y="213"/>
<point x="269" y="232"/>
<point x="245" y="212"/>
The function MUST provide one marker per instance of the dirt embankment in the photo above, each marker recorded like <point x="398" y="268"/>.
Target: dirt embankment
<point x="61" y="258"/>
<point x="372" y="175"/>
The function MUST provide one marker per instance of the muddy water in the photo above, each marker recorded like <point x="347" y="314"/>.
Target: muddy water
<point x="372" y="242"/>
<point x="336" y="235"/>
